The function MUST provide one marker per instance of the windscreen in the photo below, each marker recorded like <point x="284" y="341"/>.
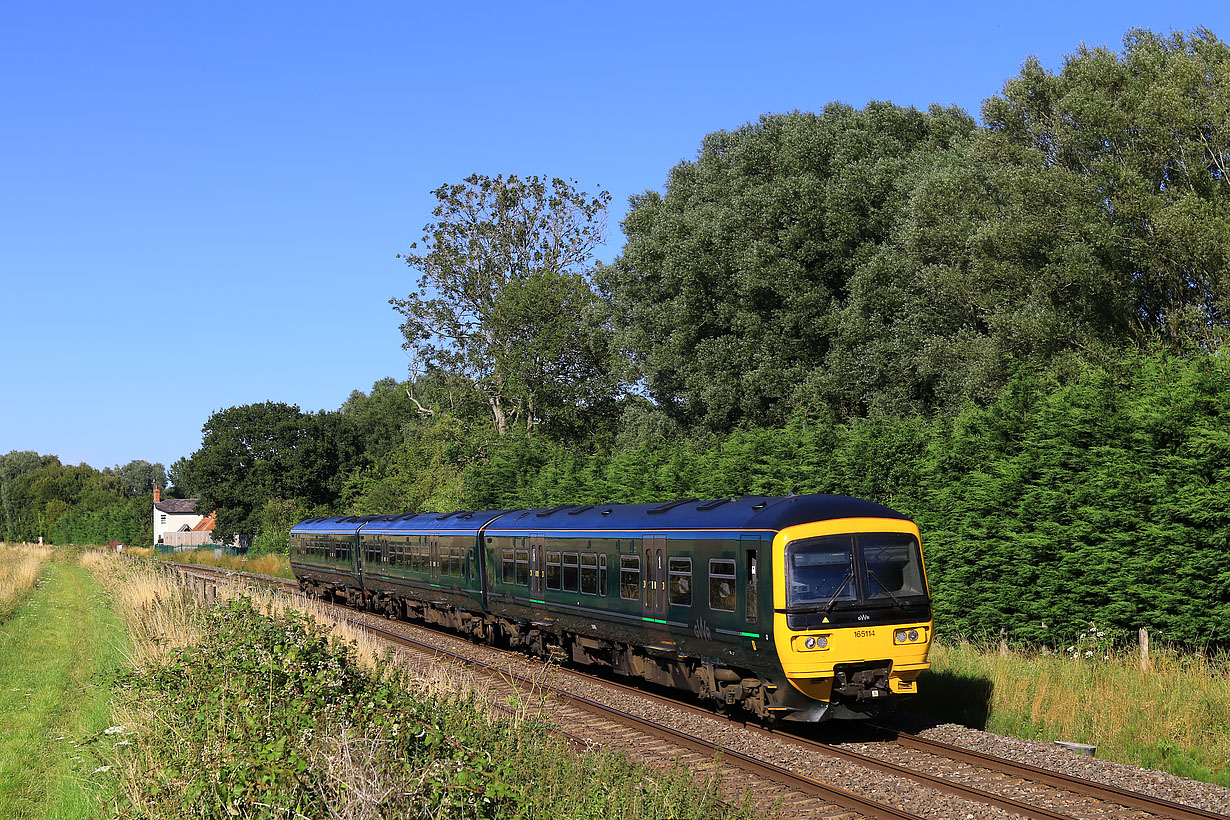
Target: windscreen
<point x="893" y="568"/>
<point x="820" y="570"/>
<point x="848" y="567"/>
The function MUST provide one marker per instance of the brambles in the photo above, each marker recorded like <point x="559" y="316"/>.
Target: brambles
<point x="275" y="717"/>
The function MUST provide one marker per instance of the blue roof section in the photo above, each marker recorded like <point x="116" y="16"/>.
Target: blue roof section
<point x="470" y="521"/>
<point x="409" y="522"/>
<point x="331" y="523"/>
<point x="750" y="512"/>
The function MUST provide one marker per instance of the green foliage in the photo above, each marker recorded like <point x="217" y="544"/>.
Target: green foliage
<point x="1081" y="493"/>
<point x="277" y="516"/>
<point x="887" y="259"/>
<point x="129" y="522"/>
<point x="504" y="297"/>
<point x="139" y="477"/>
<point x="731" y="285"/>
<point x="256" y="452"/>
<point x="1149" y="132"/>
<point x="266" y="717"/>
<point x="39" y="496"/>
<point x="422" y="474"/>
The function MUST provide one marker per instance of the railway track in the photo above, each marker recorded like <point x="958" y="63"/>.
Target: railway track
<point x="1001" y="784"/>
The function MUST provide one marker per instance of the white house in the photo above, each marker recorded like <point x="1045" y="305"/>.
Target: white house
<point x="176" y="522"/>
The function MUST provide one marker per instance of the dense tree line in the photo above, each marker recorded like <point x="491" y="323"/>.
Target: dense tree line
<point x="1010" y="331"/>
<point x="42" y="498"/>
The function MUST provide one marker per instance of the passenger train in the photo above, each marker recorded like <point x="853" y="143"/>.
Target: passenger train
<point x="803" y="608"/>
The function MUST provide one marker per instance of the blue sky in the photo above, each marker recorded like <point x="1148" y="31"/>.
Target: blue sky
<point x="201" y="204"/>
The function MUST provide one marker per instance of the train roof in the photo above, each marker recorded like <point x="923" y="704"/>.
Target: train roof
<point x="749" y="512"/>
<point x="463" y="520"/>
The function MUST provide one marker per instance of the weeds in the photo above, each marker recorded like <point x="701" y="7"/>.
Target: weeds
<point x="263" y="711"/>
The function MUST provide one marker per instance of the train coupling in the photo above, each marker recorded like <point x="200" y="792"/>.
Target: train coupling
<point x="862" y="682"/>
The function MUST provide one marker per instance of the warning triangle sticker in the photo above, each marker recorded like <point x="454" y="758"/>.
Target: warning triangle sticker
<point x="826" y="619"/>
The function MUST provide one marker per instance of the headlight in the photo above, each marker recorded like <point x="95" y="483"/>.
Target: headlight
<point x="913" y="635"/>
<point x="811" y="642"/>
<point x="901" y="636"/>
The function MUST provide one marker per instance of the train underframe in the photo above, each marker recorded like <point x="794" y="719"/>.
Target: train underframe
<point x="853" y="694"/>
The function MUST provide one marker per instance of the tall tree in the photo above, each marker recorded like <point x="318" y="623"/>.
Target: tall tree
<point x="139" y="477"/>
<point x="1150" y="130"/>
<point x="504" y="296"/>
<point x="730" y="284"/>
<point x="257" y="452"/>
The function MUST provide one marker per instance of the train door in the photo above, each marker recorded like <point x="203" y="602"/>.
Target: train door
<point x="751" y="587"/>
<point x="537" y="548"/>
<point x="654" y="583"/>
<point x="434" y="557"/>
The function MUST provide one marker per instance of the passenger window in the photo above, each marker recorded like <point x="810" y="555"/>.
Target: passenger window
<point x="589" y="574"/>
<point x="722" y="585"/>
<point x="523" y="568"/>
<point x="602" y="574"/>
<point x="681" y="581"/>
<point x="630" y="577"/>
<point x="508" y="575"/>
<point x="570" y="572"/>
<point x="553" y="570"/>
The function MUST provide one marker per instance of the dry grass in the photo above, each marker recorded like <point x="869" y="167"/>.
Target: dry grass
<point x="1172" y="717"/>
<point x="158" y="612"/>
<point x="161" y="614"/>
<point x="20" y="567"/>
<point x="272" y="563"/>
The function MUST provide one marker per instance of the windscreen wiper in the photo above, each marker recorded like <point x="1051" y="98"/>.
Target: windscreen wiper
<point x="871" y="574"/>
<point x="849" y="577"/>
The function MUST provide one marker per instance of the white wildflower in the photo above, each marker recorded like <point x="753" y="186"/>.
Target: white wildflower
<point x="1088" y="653"/>
<point x="101" y="769"/>
<point x="113" y="730"/>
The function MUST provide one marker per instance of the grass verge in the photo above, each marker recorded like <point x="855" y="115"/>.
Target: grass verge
<point x="19" y="570"/>
<point x="264" y="711"/>
<point x="58" y="656"/>
<point x="1173" y="717"/>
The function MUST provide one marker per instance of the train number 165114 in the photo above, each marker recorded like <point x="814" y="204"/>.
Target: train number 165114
<point x="864" y="633"/>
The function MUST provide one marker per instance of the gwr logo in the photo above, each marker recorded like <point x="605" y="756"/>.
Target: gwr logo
<point x="701" y="629"/>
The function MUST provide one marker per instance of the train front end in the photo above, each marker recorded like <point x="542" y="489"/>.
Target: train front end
<point x="852" y="615"/>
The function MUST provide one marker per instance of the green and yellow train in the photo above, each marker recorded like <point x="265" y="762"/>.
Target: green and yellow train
<point x="806" y="607"/>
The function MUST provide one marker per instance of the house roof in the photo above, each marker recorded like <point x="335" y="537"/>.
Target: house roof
<point x="177" y="506"/>
<point x="206" y="524"/>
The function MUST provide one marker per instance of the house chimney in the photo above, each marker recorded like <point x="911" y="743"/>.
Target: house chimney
<point x="157" y="494"/>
